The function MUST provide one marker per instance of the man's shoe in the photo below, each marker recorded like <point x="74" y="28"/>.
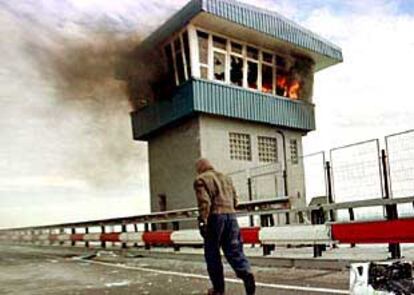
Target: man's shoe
<point x="213" y="292"/>
<point x="249" y="284"/>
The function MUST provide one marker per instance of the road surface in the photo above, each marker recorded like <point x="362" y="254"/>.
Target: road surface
<point x="37" y="270"/>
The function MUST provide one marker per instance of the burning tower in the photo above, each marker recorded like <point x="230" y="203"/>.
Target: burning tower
<point x="232" y="83"/>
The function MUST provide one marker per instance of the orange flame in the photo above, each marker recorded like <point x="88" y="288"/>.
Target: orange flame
<point x="294" y="90"/>
<point x="291" y="89"/>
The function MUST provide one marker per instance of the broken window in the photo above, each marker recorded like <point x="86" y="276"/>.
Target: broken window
<point x="187" y="53"/>
<point x="252" y="74"/>
<point x="219" y="43"/>
<point x="267" y="57"/>
<point x="179" y="61"/>
<point x="236" y="48"/>
<point x="203" y="47"/>
<point x="280" y="62"/>
<point x="203" y="53"/>
<point x="252" y="53"/>
<point x="267" y="78"/>
<point x="170" y="64"/>
<point x="282" y="82"/>
<point x="236" y="70"/>
<point x="219" y="66"/>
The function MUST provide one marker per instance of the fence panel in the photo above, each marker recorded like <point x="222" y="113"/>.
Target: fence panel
<point x="400" y="150"/>
<point x="240" y="179"/>
<point x="267" y="181"/>
<point x="315" y="176"/>
<point x="356" y="174"/>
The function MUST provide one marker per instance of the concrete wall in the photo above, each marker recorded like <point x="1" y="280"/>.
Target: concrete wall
<point x="172" y="154"/>
<point x="214" y="136"/>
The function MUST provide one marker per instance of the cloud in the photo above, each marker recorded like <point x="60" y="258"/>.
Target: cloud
<point x="369" y="94"/>
<point x="85" y="145"/>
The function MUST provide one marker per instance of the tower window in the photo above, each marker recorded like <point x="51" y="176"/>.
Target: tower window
<point x="267" y="149"/>
<point x="294" y="153"/>
<point x="179" y="61"/>
<point x="267" y="79"/>
<point x="240" y="146"/>
<point x="252" y="74"/>
<point x="219" y="66"/>
<point x="236" y="70"/>
<point x="177" y="54"/>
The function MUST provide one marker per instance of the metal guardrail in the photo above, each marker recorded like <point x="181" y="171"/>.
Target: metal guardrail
<point x="155" y="218"/>
<point x="265" y="209"/>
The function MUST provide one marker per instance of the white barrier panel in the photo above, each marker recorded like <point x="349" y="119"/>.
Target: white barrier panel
<point x="44" y="237"/>
<point x="63" y="237"/>
<point x="92" y="237"/>
<point x="27" y="237"/>
<point x="187" y="237"/>
<point x="132" y="237"/>
<point x="295" y="234"/>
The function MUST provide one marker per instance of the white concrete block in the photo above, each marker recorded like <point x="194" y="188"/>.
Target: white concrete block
<point x="63" y="237"/>
<point x="295" y="234"/>
<point x="131" y="237"/>
<point x="187" y="237"/>
<point x="92" y="237"/>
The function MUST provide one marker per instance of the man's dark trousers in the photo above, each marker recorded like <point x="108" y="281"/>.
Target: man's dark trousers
<point x="223" y="232"/>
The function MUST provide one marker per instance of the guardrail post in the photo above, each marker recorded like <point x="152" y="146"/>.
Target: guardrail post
<point x="285" y="182"/>
<point x="61" y="231"/>
<point x="250" y="191"/>
<point x="136" y="230"/>
<point x="287" y="216"/>
<point x="73" y="231"/>
<point x="391" y="210"/>
<point x="103" y="244"/>
<point x="87" y="232"/>
<point x="124" y="230"/>
<point x="301" y="218"/>
<point x="146" y="229"/>
<point x="266" y="220"/>
<point x="351" y="218"/>
<point x="332" y="215"/>
<point x="318" y="217"/>
<point x="176" y="226"/>
<point x="32" y="234"/>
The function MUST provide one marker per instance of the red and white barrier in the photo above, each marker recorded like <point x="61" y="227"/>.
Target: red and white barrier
<point x="367" y="232"/>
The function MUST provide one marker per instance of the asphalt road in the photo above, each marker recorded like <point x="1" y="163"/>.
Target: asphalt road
<point x="36" y="270"/>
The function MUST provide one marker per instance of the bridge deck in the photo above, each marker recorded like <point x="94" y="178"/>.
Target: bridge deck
<point x="34" y="270"/>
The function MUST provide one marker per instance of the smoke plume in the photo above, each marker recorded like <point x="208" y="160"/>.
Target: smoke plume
<point x="69" y="64"/>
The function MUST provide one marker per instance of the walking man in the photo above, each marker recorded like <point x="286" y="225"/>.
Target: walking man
<point x="217" y="200"/>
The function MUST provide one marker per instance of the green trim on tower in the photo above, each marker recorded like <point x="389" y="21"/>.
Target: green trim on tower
<point x="201" y="96"/>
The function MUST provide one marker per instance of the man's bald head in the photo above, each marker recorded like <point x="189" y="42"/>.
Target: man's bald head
<point x="203" y="165"/>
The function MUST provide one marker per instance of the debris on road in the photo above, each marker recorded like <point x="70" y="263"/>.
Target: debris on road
<point x="117" y="284"/>
<point x="382" y="278"/>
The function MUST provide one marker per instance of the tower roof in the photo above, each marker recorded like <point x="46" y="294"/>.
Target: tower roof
<point x="247" y="20"/>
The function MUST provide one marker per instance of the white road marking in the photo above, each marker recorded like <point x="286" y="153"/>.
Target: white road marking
<point x="196" y="276"/>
